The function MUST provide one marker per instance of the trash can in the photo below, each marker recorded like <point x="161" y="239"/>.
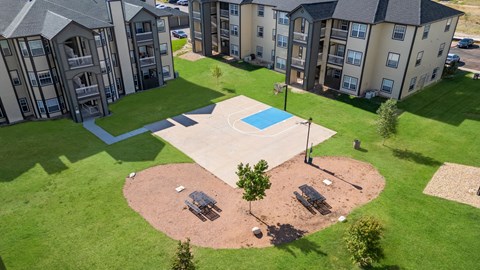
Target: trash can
<point x="356" y="144"/>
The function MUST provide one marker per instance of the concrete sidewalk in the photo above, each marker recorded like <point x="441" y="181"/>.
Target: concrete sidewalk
<point x="107" y="137"/>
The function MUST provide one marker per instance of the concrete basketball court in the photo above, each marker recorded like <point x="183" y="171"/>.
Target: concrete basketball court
<point x="218" y="140"/>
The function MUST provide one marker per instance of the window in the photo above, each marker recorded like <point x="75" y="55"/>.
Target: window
<point x="105" y="66"/>
<point x="163" y="48"/>
<point x="282" y="41"/>
<point x="354" y="57"/>
<point x="53" y="105"/>
<point x="23" y="48"/>
<point x="166" y="71"/>
<point x="41" y="106"/>
<point x="234" y="9"/>
<point x="419" y="58"/>
<point x="426" y="30"/>
<point x="434" y="74"/>
<point x="349" y="83"/>
<point x="36" y="47"/>
<point x="108" y="91"/>
<point x="273" y="56"/>
<point x="129" y="33"/>
<point x="260" y="10"/>
<point x="260" y="51"/>
<point x="33" y="79"/>
<point x="234" y="49"/>
<point x="387" y="86"/>
<point x="46" y="45"/>
<point x="447" y="26"/>
<point x="98" y="41"/>
<point x="440" y="50"/>
<point x="260" y="31"/>
<point x="23" y="105"/>
<point x="15" y="78"/>
<point x="234" y="30"/>
<point x="45" y="78"/>
<point x="399" y="32"/>
<point x="282" y="18"/>
<point x="392" y="60"/>
<point x="114" y="59"/>
<point x="118" y="82"/>
<point x="274" y="33"/>
<point x="413" y="81"/>
<point x="359" y="30"/>
<point x="161" y="25"/>
<point x="132" y="56"/>
<point x="281" y="63"/>
<point x="5" y="47"/>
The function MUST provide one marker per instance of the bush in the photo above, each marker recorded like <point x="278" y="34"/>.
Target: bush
<point x="183" y="259"/>
<point x="363" y="241"/>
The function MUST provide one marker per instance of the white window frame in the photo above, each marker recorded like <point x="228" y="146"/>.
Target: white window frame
<point x="166" y="74"/>
<point x="282" y="41"/>
<point x="399" y="29"/>
<point x="234" y="30"/>
<point x="441" y="49"/>
<point x="41" y="107"/>
<point x="165" y="51"/>
<point x="260" y="31"/>
<point x="393" y="59"/>
<point x="418" y="60"/>
<point x="359" y="30"/>
<point x="233" y="9"/>
<point x="23" y="48"/>
<point x="15" y="77"/>
<point x="161" y="28"/>
<point x="383" y="89"/>
<point x="234" y="50"/>
<point x="36" y="47"/>
<point x="282" y="18"/>
<point x="45" y="78"/>
<point x="350" y="83"/>
<point x="447" y="26"/>
<point x="281" y="63"/>
<point x="413" y="82"/>
<point x="354" y="57"/>
<point x="259" y="51"/>
<point x="24" y="105"/>
<point x="426" y="31"/>
<point x="52" y="103"/>
<point x="260" y="10"/>
<point x="33" y="78"/>
<point x="5" y="47"/>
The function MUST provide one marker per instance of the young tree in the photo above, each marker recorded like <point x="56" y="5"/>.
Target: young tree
<point x="254" y="181"/>
<point x="363" y="241"/>
<point x="216" y="73"/>
<point x="183" y="259"/>
<point x="388" y="119"/>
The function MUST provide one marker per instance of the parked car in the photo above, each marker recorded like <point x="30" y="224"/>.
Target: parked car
<point x="172" y="1"/>
<point x="179" y="34"/>
<point x="160" y="6"/>
<point x="182" y="2"/>
<point x="452" y="58"/>
<point x="465" y="43"/>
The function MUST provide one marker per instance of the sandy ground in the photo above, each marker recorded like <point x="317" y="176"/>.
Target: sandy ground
<point x="456" y="182"/>
<point x="191" y="56"/>
<point x="280" y="216"/>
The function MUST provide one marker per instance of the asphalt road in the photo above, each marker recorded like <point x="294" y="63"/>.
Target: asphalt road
<point x="469" y="58"/>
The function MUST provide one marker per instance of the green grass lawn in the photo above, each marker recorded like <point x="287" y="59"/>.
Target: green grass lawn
<point x="177" y="44"/>
<point x="61" y="188"/>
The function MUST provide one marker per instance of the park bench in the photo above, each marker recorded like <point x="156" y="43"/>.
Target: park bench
<point x="302" y="200"/>
<point x="193" y="208"/>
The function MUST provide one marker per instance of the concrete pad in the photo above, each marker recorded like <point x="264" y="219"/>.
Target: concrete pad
<point x="220" y="140"/>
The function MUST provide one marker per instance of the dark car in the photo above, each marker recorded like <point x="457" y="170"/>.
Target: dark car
<point x="179" y="34"/>
<point x="465" y="43"/>
<point x="172" y="1"/>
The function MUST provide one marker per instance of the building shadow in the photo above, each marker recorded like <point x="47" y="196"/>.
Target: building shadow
<point x="416" y="157"/>
<point x="240" y="64"/>
<point x="2" y="265"/>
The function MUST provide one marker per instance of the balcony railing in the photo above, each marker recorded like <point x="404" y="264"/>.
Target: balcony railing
<point x="213" y="10"/>
<point x="224" y="32"/>
<point x="319" y="59"/>
<point x="339" y="33"/>
<point x="224" y="13"/>
<point x="196" y="15"/>
<point x="322" y="32"/>
<point x="147" y="36"/>
<point x="147" y="61"/>
<point x="297" y="62"/>
<point x="335" y="59"/>
<point x="79" y="62"/>
<point x="198" y="35"/>
<point x="297" y="36"/>
<point x="87" y="91"/>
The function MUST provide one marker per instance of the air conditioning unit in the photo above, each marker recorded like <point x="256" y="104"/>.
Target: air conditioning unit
<point x="247" y="59"/>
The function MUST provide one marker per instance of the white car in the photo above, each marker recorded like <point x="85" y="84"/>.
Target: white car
<point x="182" y="2"/>
<point x="160" y="6"/>
<point x="452" y="58"/>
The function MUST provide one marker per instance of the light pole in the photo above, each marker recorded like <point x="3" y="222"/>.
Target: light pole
<point x="308" y="136"/>
<point x="285" y="103"/>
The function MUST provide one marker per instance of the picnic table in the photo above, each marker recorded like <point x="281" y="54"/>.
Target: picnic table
<point x="201" y="199"/>
<point x="312" y="194"/>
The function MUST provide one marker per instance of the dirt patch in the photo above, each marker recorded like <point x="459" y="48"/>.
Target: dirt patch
<point x="191" y="56"/>
<point x="280" y="216"/>
<point x="456" y="182"/>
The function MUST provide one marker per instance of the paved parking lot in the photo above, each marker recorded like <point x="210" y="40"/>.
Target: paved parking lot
<point x="469" y="58"/>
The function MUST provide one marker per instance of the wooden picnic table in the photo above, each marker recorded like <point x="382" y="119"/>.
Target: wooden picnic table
<point x="201" y="199"/>
<point x="312" y="194"/>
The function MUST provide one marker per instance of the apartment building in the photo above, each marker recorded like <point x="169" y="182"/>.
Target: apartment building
<point x="392" y="47"/>
<point x="72" y="58"/>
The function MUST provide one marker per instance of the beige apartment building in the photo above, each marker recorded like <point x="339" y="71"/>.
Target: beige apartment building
<point x="390" y="47"/>
<point x="72" y="58"/>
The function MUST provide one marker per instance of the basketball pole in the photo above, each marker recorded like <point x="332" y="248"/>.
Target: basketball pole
<point x="308" y="136"/>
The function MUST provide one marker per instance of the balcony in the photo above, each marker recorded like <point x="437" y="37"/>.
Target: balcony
<point x="142" y="37"/>
<point x="301" y="37"/>
<point x="297" y="62"/>
<point x="87" y="91"/>
<point x="147" y="61"/>
<point x="79" y="62"/>
<point x="225" y="32"/>
<point x="322" y="32"/>
<point x="339" y="33"/>
<point x="213" y="10"/>
<point x="224" y="13"/>
<point x="196" y="15"/>
<point x="319" y="59"/>
<point x="335" y="60"/>
<point x="198" y="35"/>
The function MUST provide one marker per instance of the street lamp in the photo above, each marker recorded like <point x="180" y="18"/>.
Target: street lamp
<point x="308" y="136"/>
<point x="285" y="103"/>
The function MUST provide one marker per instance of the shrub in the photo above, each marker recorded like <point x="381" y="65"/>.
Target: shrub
<point x="363" y="241"/>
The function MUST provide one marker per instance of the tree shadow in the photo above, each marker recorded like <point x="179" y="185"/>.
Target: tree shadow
<point x="2" y="265"/>
<point x="383" y="267"/>
<point x="229" y="90"/>
<point x="286" y="237"/>
<point x="416" y="157"/>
